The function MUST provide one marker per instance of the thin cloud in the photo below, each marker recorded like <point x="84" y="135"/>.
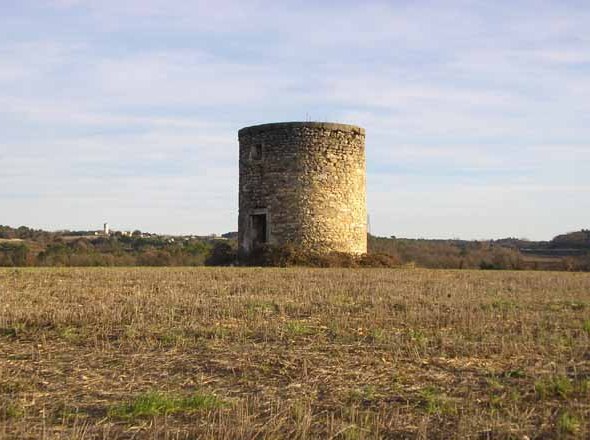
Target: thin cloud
<point x="471" y="108"/>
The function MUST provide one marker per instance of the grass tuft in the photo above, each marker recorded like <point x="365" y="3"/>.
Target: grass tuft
<point x="155" y="403"/>
<point x="556" y="386"/>
<point x="435" y="402"/>
<point x="11" y="411"/>
<point x="568" y="423"/>
<point x="298" y="328"/>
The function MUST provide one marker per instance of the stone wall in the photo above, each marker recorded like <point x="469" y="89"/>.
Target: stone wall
<point x="306" y="181"/>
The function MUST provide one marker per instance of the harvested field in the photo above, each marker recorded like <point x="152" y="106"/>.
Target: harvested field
<point x="179" y="353"/>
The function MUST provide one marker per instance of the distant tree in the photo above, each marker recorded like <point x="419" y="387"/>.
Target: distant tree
<point x="7" y="232"/>
<point x="14" y="254"/>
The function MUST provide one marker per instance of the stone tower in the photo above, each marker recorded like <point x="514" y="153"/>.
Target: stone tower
<point x="302" y="183"/>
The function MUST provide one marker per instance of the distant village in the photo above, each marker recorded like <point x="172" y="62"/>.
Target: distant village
<point x="106" y="231"/>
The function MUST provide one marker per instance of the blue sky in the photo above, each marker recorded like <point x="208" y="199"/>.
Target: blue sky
<point x="477" y="113"/>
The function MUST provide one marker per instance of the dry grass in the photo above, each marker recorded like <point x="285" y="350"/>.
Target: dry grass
<point x="293" y="353"/>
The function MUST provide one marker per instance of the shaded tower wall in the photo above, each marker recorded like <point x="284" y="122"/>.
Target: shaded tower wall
<point x="302" y="183"/>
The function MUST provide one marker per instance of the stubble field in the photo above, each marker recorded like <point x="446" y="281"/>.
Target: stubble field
<point x="181" y="353"/>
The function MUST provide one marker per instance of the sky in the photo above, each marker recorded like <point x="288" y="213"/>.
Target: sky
<point x="477" y="113"/>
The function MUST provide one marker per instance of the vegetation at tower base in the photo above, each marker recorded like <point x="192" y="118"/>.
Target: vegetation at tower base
<point x="289" y="255"/>
<point x="222" y="254"/>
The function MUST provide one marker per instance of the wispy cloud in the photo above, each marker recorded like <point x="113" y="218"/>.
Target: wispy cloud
<point x="129" y="109"/>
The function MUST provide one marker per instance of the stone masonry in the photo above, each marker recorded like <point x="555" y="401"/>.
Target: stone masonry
<point x="302" y="183"/>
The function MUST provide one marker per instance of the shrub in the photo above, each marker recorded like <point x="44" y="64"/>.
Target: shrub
<point x="289" y="255"/>
<point x="222" y="254"/>
<point x="379" y="260"/>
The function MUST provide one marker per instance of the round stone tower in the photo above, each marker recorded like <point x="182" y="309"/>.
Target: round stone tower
<point x="303" y="183"/>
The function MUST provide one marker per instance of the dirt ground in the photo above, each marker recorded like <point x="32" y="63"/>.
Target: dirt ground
<point x="183" y="353"/>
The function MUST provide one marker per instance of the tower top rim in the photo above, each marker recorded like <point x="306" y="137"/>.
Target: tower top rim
<point x="332" y="126"/>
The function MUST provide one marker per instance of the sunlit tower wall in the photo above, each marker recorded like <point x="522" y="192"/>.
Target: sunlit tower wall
<point x="302" y="183"/>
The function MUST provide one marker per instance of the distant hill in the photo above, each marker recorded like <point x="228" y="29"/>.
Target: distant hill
<point x="573" y="240"/>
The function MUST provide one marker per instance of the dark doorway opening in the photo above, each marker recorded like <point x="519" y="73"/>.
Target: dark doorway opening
<point x="258" y="230"/>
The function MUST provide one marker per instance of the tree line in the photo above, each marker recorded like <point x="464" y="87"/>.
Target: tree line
<point x="28" y="247"/>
